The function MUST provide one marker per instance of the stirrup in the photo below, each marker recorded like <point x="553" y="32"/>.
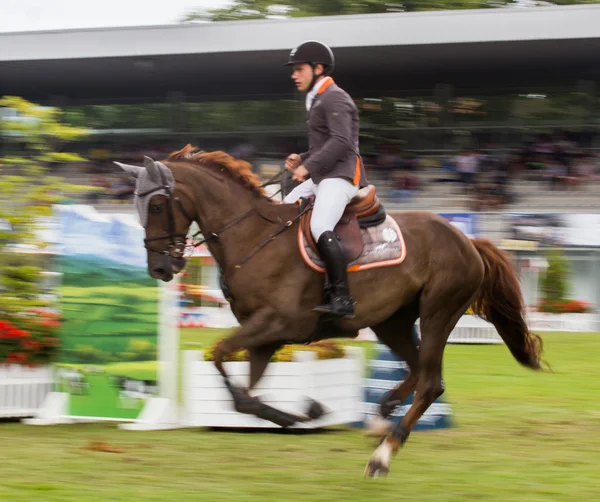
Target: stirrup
<point x="342" y="308"/>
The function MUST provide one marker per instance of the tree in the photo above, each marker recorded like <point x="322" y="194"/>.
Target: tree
<point x="273" y="9"/>
<point x="37" y="135"/>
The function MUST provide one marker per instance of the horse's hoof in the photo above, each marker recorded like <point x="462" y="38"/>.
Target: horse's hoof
<point x="379" y="463"/>
<point x="315" y="410"/>
<point x="375" y="469"/>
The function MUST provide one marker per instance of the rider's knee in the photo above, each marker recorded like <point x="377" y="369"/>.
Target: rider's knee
<point x="317" y="229"/>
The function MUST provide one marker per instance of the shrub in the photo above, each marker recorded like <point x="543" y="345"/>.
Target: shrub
<point x="554" y="283"/>
<point x="554" y="279"/>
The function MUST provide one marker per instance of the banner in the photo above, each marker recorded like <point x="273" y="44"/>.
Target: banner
<point x="110" y="307"/>
<point x="465" y="222"/>
<point x="551" y="229"/>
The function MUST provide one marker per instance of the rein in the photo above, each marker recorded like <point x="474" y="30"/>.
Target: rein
<point x="213" y="236"/>
<point x="177" y="249"/>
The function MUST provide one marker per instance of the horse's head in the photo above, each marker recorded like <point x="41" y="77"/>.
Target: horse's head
<point x="163" y="215"/>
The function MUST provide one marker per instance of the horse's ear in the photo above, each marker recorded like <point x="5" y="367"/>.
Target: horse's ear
<point x="153" y="170"/>
<point x="133" y="170"/>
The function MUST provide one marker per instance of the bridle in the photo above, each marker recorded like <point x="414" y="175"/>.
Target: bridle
<point x="176" y="248"/>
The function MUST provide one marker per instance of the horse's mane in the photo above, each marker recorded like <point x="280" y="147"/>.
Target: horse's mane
<point x="239" y="169"/>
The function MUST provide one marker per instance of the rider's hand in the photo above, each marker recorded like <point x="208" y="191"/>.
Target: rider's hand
<point x="300" y="173"/>
<point x="293" y="162"/>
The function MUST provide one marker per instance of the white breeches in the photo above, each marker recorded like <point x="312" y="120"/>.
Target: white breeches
<point x="332" y="196"/>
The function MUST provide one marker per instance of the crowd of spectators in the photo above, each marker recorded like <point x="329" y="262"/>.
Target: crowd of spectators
<point x="486" y="176"/>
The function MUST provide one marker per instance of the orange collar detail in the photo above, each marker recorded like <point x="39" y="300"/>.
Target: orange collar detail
<point x="325" y="85"/>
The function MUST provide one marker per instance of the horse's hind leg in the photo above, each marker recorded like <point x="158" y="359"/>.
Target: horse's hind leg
<point x="397" y="333"/>
<point x="440" y="311"/>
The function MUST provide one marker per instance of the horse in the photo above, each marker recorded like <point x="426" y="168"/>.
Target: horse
<point x="254" y="241"/>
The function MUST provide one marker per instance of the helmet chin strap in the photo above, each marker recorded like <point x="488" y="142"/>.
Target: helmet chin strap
<point x="314" y="78"/>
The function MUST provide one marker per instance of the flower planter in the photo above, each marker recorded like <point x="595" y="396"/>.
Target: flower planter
<point x="335" y="383"/>
<point x="23" y="389"/>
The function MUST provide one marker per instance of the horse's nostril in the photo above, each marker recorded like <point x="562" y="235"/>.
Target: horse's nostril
<point x="159" y="271"/>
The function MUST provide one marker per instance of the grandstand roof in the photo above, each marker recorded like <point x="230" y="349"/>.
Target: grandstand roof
<point x="243" y="59"/>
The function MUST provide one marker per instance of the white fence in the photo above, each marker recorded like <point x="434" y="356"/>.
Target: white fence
<point x="22" y="389"/>
<point x="336" y="383"/>
<point x="540" y="321"/>
<point x="471" y="329"/>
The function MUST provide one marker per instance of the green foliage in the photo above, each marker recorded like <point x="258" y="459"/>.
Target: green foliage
<point x="39" y="135"/>
<point x="261" y="9"/>
<point x="554" y="280"/>
<point x="554" y="284"/>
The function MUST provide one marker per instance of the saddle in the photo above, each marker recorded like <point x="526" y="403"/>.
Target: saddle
<point x="363" y="211"/>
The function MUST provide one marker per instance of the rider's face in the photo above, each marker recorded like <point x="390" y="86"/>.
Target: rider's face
<point x="303" y="74"/>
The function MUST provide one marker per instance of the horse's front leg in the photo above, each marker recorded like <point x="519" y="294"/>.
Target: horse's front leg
<point x="261" y="335"/>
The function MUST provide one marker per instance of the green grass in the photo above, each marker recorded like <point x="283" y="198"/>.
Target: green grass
<point x="519" y="436"/>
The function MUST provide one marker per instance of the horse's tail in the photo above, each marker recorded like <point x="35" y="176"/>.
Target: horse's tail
<point x="499" y="301"/>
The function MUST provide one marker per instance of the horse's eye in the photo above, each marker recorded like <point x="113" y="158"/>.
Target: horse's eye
<point x="156" y="208"/>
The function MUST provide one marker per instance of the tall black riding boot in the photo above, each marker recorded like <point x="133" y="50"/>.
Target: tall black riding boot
<point x="341" y="303"/>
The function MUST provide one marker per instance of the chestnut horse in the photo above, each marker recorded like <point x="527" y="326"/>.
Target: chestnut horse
<point x="254" y="241"/>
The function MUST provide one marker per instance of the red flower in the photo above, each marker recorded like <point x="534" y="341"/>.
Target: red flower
<point x="50" y="323"/>
<point x="5" y="325"/>
<point x="13" y="333"/>
<point x="31" y="344"/>
<point x="16" y="358"/>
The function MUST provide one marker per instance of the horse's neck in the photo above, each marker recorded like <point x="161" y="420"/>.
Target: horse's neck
<point x="241" y="220"/>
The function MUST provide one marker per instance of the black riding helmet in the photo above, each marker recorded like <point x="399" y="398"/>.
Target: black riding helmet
<point x="313" y="53"/>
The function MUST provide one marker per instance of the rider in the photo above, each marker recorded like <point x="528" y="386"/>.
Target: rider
<point x="332" y="164"/>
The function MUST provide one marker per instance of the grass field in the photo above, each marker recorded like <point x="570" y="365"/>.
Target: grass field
<point x="519" y="436"/>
